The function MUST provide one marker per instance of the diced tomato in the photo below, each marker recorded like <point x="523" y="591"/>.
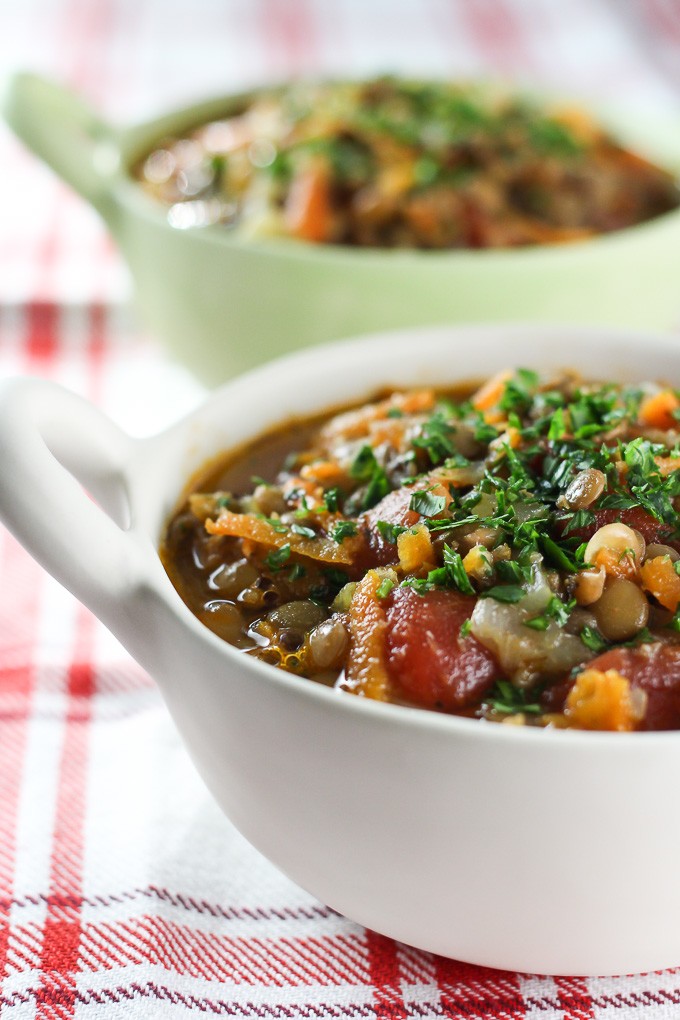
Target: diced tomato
<point x="654" y="668"/>
<point x="428" y="660"/>
<point x="651" y="529"/>
<point x="394" y="509"/>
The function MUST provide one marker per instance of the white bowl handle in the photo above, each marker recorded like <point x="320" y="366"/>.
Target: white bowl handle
<point x="48" y="438"/>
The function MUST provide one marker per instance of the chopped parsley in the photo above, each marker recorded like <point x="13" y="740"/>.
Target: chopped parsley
<point x="593" y="640"/>
<point x="343" y="530"/>
<point x="297" y="571"/>
<point x="504" y="593"/>
<point x="277" y="558"/>
<point x="365" y="468"/>
<point x="390" y="532"/>
<point x="456" y="574"/>
<point x="507" y="699"/>
<point x="425" y="503"/>
<point x="384" y="588"/>
<point x="556" y="610"/>
<point x="435" y="438"/>
<point x="303" y="530"/>
<point x="332" y="499"/>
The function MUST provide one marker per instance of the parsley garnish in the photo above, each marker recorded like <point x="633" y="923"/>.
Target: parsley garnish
<point x="301" y="529"/>
<point x="425" y="503"/>
<point x="365" y="468"/>
<point x="331" y="498"/>
<point x="582" y="519"/>
<point x="342" y="530"/>
<point x="435" y="438"/>
<point x="557" y="426"/>
<point x="275" y="523"/>
<point x="504" y="593"/>
<point x="593" y="640"/>
<point x="559" y="556"/>
<point x="518" y="394"/>
<point x="556" y="610"/>
<point x="277" y="558"/>
<point x="390" y="532"/>
<point x="455" y="571"/>
<point x="509" y="700"/>
<point x="384" y="588"/>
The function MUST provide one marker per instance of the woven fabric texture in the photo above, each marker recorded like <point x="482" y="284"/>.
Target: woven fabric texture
<point x="123" y="890"/>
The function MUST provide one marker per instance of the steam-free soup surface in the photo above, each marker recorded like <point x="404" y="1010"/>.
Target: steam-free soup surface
<point x="395" y="163"/>
<point x="509" y="553"/>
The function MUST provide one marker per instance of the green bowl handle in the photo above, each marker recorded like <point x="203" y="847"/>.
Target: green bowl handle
<point x="66" y="133"/>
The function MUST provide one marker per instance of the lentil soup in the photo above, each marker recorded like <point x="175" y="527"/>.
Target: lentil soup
<point x="509" y="552"/>
<point x="396" y="163"/>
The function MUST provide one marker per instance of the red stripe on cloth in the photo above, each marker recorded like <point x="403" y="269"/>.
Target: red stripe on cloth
<point x="469" y="991"/>
<point x="291" y="40"/>
<point x="18" y="615"/>
<point x="62" y="931"/>
<point x="333" y="960"/>
<point x="87" y="46"/>
<point x="664" y="16"/>
<point x="96" y="349"/>
<point x="24" y="948"/>
<point x="385" y="976"/>
<point x="344" y="1008"/>
<point x="497" y="33"/>
<point x="574" y="998"/>
<point x="42" y="336"/>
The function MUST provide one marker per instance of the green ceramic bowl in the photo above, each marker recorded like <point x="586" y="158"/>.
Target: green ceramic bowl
<point x="223" y="303"/>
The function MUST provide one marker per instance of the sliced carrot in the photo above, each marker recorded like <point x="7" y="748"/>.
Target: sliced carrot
<point x="411" y="403"/>
<point x="659" y="578"/>
<point x="478" y="562"/>
<point x="616" y="564"/>
<point x="581" y="125"/>
<point x="308" y="212"/>
<point x="256" y="529"/>
<point x="391" y="431"/>
<point x="667" y="465"/>
<point x="357" y="423"/>
<point x="324" y="472"/>
<point x="603" y="701"/>
<point x="543" y="233"/>
<point x="489" y="395"/>
<point x="298" y="488"/>
<point x="366" y="671"/>
<point x="512" y="437"/>
<point x="415" y="549"/>
<point x="657" y="410"/>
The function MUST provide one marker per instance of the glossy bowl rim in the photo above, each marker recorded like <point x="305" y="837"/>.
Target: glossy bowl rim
<point x="386" y="712"/>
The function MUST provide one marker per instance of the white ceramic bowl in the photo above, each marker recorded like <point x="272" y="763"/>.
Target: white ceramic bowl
<point x="527" y="849"/>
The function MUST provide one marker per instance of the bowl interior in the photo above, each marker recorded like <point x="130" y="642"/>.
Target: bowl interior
<point x="657" y="137"/>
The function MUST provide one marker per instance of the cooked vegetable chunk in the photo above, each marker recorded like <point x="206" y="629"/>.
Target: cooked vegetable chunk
<point x="431" y="662"/>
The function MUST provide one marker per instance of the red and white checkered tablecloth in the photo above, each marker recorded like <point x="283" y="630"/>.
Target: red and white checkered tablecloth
<point x="123" y="890"/>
